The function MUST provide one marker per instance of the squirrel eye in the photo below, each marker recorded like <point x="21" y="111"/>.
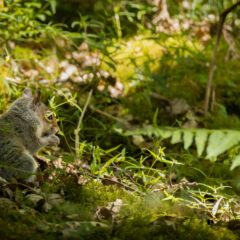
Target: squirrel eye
<point x="49" y="116"/>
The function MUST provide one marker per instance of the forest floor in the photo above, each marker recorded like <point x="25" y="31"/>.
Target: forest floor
<point x="129" y="176"/>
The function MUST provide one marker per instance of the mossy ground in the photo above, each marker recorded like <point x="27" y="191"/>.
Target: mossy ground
<point x="171" y="66"/>
<point x="139" y="218"/>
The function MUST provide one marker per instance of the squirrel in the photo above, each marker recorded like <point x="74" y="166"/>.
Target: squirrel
<point x="25" y="128"/>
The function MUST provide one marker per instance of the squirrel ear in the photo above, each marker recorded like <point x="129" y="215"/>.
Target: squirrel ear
<point x="37" y="98"/>
<point x="27" y="92"/>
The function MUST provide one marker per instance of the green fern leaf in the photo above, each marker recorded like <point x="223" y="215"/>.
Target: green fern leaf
<point x="149" y="131"/>
<point x="215" y="140"/>
<point x="200" y="140"/>
<point x="176" y="136"/>
<point x="219" y="140"/>
<point x="157" y="132"/>
<point x="166" y="134"/>
<point x="187" y="138"/>
<point x="235" y="163"/>
<point x="231" y="138"/>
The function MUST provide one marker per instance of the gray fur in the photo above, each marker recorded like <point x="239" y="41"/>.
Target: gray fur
<point x="22" y="134"/>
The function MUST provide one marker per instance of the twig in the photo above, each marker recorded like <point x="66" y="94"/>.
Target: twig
<point x="40" y="64"/>
<point x="125" y="173"/>
<point x="79" y="123"/>
<point x="123" y="185"/>
<point x="175" y="186"/>
<point x="213" y="63"/>
<point x="116" y="183"/>
<point x="159" y="97"/>
<point x="125" y="122"/>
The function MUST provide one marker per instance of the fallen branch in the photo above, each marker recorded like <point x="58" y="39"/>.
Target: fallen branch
<point x="223" y="16"/>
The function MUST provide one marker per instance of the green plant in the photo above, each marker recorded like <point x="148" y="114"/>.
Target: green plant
<point x="215" y="142"/>
<point x="21" y="20"/>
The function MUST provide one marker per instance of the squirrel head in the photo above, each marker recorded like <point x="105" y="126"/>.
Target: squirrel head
<point x="47" y="117"/>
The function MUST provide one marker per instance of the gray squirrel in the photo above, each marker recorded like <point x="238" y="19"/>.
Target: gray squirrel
<point x="25" y="128"/>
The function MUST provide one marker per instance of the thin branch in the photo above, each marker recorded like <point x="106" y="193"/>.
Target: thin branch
<point x="122" y="185"/>
<point x="159" y="97"/>
<point x="125" y="173"/>
<point x="115" y="182"/>
<point x="77" y="131"/>
<point x="41" y="65"/>
<point x="213" y="63"/>
<point x="125" y="122"/>
<point x="184" y="185"/>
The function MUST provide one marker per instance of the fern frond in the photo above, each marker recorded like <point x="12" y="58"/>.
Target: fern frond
<point x="200" y="140"/>
<point x="176" y="137"/>
<point x="235" y="162"/>
<point x="187" y="139"/>
<point x="215" y="142"/>
<point x="221" y="142"/>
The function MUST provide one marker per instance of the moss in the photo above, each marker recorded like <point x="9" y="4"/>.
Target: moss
<point x="192" y="229"/>
<point x="15" y="225"/>
<point x="92" y="195"/>
<point x="24" y="53"/>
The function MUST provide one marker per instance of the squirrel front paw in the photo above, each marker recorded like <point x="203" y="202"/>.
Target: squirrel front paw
<point x="53" y="140"/>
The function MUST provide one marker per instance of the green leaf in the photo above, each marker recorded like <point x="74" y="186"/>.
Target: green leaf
<point x="165" y="134"/>
<point x="33" y="4"/>
<point x="200" y="140"/>
<point x="5" y="81"/>
<point x="215" y="141"/>
<point x="41" y="17"/>
<point x="109" y="162"/>
<point x="68" y="159"/>
<point x="75" y="23"/>
<point x="111" y="65"/>
<point x="158" y="132"/>
<point x="112" y="149"/>
<point x="231" y="138"/>
<point x="176" y="136"/>
<point x="53" y="4"/>
<point x="236" y="162"/>
<point x="187" y="138"/>
<point x="149" y="131"/>
<point x="155" y="118"/>
<point x="219" y="140"/>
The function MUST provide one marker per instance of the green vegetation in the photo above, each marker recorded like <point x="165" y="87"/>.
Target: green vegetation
<point x="140" y="159"/>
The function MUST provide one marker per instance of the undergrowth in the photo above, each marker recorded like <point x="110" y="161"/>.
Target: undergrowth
<point x="148" y="165"/>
